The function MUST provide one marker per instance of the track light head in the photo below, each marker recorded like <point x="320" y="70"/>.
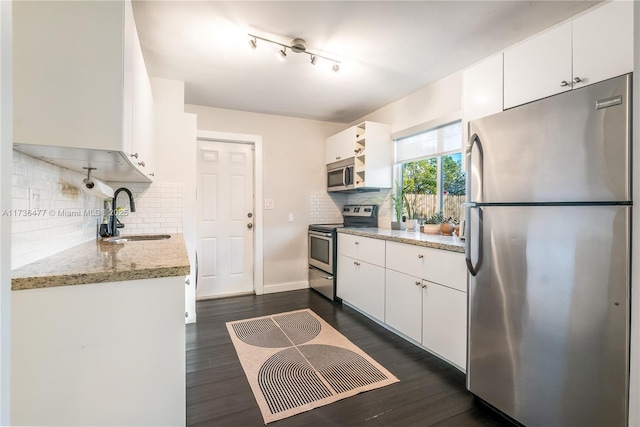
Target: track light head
<point x="282" y="54"/>
<point x="335" y="67"/>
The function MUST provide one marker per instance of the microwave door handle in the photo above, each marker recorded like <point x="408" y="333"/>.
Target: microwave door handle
<point x="344" y="176"/>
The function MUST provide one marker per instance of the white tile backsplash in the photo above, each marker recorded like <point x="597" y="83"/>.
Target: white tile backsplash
<point x="50" y="212"/>
<point x="326" y="208"/>
<point x="158" y="207"/>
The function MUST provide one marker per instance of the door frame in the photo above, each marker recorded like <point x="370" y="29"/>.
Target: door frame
<point x="256" y="142"/>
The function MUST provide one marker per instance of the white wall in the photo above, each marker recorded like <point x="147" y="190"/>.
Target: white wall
<point x="6" y="140"/>
<point x="176" y="162"/>
<point x="429" y="104"/>
<point x="293" y="175"/>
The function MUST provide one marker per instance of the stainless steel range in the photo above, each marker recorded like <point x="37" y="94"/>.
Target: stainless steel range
<point x="323" y="246"/>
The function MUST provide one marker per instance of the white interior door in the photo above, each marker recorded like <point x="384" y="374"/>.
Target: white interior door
<point x="225" y="219"/>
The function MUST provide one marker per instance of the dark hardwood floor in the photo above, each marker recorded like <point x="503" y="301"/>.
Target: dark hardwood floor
<point x="430" y="391"/>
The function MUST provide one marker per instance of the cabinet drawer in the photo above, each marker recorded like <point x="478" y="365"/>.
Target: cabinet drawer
<point x="435" y="265"/>
<point x="362" y="248"/>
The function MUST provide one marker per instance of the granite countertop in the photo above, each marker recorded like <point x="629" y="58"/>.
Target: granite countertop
<point x="98" y="262"/>
<point x="436" y="241"/>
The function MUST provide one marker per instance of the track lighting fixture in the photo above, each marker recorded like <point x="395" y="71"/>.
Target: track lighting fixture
<point x="298" y="46"/>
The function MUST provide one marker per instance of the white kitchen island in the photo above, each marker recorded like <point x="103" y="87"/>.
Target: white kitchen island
<point x="108" y="352"/>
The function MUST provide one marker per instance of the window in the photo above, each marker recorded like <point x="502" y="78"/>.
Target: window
<point x="429" y="166"/>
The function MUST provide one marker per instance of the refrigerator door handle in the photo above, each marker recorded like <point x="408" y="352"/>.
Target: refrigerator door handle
<point x="474" y="140"/>
<point x="473" y="269"/>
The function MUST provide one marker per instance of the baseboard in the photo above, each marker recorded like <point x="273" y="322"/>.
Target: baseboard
<point x="284" y="287"/>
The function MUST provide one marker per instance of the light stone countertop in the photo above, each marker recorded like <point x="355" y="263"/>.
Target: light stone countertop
<point x="436" y="241"/>
<point x="98" y="262"/>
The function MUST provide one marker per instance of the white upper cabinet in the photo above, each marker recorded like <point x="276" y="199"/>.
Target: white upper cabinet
<point x="340" y="146"/>
<point x="79" y="81"/>
<point x="593" y="47"/>
<point x="370" y="145"/>
<point x="482" y="93"/>
<point x="482" y="88"/>
<point x="538" y="67"/>
<point x="603" y="43"/>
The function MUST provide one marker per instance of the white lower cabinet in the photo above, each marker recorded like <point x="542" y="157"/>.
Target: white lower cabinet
<point x="430" y="314"/>
<point x="444" y="322"/>
<point x="417" y="291"/>
<point x="403" y="310"/>
<point x="362" y="285"/>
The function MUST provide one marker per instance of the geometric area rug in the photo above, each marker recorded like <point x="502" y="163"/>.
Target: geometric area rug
<point x="296" y="361"/>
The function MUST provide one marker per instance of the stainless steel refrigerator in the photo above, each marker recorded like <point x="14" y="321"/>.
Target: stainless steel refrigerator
<point x="548" y="251"/>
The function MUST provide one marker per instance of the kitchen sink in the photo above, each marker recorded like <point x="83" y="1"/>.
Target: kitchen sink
<point x="135" y="238"/>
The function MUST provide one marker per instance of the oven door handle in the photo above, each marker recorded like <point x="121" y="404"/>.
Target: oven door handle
<point x="319" y="234"/>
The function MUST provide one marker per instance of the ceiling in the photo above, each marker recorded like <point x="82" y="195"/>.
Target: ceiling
<point x="388" y="49"/>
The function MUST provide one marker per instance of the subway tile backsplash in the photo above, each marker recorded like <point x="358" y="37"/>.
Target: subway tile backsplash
<point x="50" y="211"/>
<point x="158" y="208"/>
<point x="326" y="208"/>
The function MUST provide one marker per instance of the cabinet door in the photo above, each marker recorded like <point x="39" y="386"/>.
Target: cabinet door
<point x="603" y="43"/>
<point x="482" y="93"/>
<point x="68" y="74"/>
<point x="444" y="322"/>
<point x="362" y="248"/>
<point x="143" y="124"/>
<point x="403" y="304"/>
<point x="482" y="88"/>
<point x="537" y="67"/>
<point x="340" y="146"/>
<point x="362" y="285"/>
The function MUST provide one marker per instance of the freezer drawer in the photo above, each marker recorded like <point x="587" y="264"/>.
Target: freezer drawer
<point x="549" y="314"/>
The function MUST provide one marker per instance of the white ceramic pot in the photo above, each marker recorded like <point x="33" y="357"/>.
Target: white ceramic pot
<point x="411" y="224"/>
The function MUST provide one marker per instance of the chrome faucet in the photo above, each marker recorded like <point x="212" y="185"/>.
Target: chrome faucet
<point x="114" y="224"/>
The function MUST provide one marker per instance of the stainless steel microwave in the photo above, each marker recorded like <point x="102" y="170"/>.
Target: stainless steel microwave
<point x="340" y="175"/>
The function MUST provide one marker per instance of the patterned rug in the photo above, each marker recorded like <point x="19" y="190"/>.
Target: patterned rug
<point x="296" y="361"/>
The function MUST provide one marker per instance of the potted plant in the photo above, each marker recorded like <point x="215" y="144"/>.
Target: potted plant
<point x="411" y="206"/>
<point x="397" y="201"/>
<point x="432" y="223"/>
<point x="447" y="227"/>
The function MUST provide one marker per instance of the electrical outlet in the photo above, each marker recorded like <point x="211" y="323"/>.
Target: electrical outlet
<point x="290" y="217"/>
<point x="34" y="199"/>
<point x="269" y="204"/>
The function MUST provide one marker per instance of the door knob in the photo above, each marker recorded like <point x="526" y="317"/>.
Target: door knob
<point x="250" y="226"/>
<point x="249" y="215"/>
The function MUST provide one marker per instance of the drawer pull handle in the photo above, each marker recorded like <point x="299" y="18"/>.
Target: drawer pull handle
<point x="357" y="243"/>
<point x="424" y="285"/>
<point x="418" y="283"/>
<point x="356" y="263"/>
<point x="421" y="256"/>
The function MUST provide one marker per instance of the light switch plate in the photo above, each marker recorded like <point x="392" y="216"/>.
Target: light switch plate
<point x="290" y="217"/>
